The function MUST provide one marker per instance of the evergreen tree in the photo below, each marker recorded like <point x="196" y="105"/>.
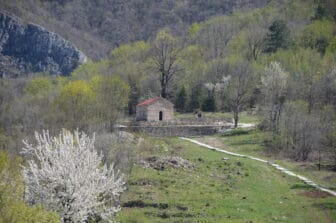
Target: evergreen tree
<point x="209" y="103"/>
<point x="181" y="99"/>
<point x="278" y="36"/>
<point x="320" y="12"/>
<point x="195" y="97"/>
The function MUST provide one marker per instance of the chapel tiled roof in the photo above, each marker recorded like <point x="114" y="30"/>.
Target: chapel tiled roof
<point x="149" y="101"/>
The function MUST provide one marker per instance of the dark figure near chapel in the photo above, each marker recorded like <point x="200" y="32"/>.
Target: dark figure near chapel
<point x="198" y="113"/>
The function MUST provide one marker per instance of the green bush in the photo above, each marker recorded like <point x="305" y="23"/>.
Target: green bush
<point x="235" y="132"/>
<point x="13" y="208"/>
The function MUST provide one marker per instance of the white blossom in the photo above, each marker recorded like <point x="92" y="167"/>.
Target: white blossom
<point x="66" y="175"/>
<point x="218" y="86"/>
<point x="226" y="79"/>
<point x="276" y="77"/>
<point x="209" y="86"/>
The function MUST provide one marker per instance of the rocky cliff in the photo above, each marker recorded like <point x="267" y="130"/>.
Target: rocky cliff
<point x="27" y="48"/>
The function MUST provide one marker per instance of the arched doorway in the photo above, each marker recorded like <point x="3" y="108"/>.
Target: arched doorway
<point x="160" y="116"/>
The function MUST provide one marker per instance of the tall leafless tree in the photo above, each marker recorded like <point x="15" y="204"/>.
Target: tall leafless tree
<point x="164" y="54"/>
<point x="237" y="86"/>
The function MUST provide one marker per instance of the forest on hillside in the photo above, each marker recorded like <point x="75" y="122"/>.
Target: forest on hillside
<point x="274" y="60"/>
<point x="98" y="26"/>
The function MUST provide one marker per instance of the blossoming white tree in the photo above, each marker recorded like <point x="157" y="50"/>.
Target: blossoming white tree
<point x="274" y="90"/>
<point x="66" y="175"/>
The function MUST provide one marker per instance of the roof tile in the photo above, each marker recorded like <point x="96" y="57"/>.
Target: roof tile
<point x="148" y="101"/>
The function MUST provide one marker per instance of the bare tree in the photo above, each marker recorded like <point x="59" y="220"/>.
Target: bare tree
<point x="328" y="131"/>
<point x="255" y="42"/>
<point x="165" y="51"/>
<point x="66" y="175"/>
<point x="216" y="34"/>
<point x="237" y="87"/>
<point x="299" y="135"/>
<point x="327" y="87"/>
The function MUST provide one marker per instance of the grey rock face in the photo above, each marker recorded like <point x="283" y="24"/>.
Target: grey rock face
<point x="28" y="48"/>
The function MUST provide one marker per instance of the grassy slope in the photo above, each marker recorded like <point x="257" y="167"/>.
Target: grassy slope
<point x="217" y="190"/>
<point x="251" y="144"/>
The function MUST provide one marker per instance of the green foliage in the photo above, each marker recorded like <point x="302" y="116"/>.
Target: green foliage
<point x="89" y="69"/>
<point x="112" y="94"/>
<point x="75" y="94"/>
<point x="181" y="99"/>
<point x="209" y="103"/>
<point x="76" y="100"/>
<point x="320" y="12"/>
<point x="38" y="85"/>
<point x="196" y="97"/>
<point x="236" y="132"/>
<point x="193" y="63"/>
<point x="326" y="10"/>
<point x="277" y="37"/>
<point x="193" y="30"/>
<point x="13" y="208"/>
<point x="129" y="61"/>
<point x="318" y="35"/>
<point x="238" y="47"/>
<point x="4" y="140"/>
<point x="331" y="49"/>
<point x="133" y="51"/>
<point x="20" y="212"/>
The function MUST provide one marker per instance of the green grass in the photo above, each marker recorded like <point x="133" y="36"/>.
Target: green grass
<point x="323" y="177"/>
<point x="236" y="132"/>
<point x="250" y="142"/>
<point x="217" y="190"/>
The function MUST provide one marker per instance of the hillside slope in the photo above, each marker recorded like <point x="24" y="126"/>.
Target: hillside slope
<point x="219" y="188"/>
<point x="98" y="26"/>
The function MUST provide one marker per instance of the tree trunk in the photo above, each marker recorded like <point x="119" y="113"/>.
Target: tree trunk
<point x="163" y="87"/>
<point x="235" y="117"/>
<point x="319" y="160"/>
<point x="67" y="220"/>
<point x="163" y="92"/>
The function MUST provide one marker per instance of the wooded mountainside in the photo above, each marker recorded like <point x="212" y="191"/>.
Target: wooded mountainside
<point x="97" y="26"/>
<point x="274" y="59"/>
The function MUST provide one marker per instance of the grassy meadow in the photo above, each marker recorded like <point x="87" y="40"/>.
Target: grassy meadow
<point x="250" y="142"/>
<point x="219" y="187"/>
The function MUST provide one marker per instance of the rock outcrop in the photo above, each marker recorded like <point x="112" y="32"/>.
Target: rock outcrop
<point x="27" y="48"/>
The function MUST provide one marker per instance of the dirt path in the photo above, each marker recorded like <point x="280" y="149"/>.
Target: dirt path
<point x="278" y="167"/>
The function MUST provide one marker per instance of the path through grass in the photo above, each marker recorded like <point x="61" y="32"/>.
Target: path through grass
<point x="250" y="142"/>
<point x="217" y="190"/>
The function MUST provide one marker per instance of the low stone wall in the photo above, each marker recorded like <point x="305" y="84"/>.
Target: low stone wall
<point x="183" y="121"/>
<point x="177" y="130"/>
<point x="202" y="121"/>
